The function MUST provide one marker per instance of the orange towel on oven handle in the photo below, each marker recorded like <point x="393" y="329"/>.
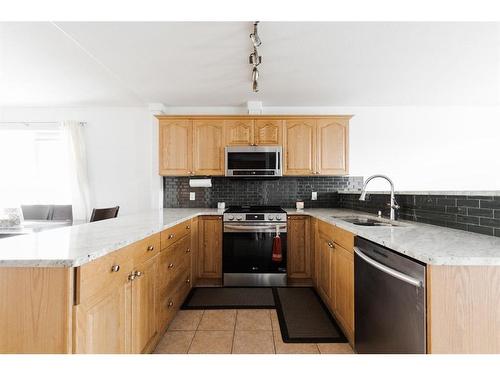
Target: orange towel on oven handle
<point x="277" y="255"/>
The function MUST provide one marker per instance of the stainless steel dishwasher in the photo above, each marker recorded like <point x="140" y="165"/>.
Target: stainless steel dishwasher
<point x="390" y="311"/>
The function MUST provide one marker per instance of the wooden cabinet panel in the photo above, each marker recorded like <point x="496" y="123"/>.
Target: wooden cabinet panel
<point x="332" y="149"/>
<point x="208" y="147"/>
<point x="194" y="250"/>
<point x="344" y="289"/>
<point x="268" y="132"/>
<point x="298" y="248"/>
<point x="171" y="235"/>
<point x="103" y="324"/>
<point x="210" y="247"/>
<point x="300" y="147"/>
<point x="144" y="305"/>
<point x="176" y="147"/>
<point x="239" y="132"/>
<point x="326" y="263"/>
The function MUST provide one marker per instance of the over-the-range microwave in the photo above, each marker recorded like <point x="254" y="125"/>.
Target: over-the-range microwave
<point x="254" y="161"/>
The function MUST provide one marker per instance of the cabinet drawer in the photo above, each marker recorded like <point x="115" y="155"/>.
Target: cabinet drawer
<point x="171" y="301"/>
<point x="326" y="229"/>
<point x="344" y="239"/>
<point x="171" y="235"/>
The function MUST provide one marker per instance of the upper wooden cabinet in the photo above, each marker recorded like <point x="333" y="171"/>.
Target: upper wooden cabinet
<point x="194" y="145"/>
<point x="208" y="147"/>
<point x="300" y="147"/>
<point x="332" y="146"/>
<point x="176" y="147"/>
<point x="239" y="132"/>
<point x="268" y="132"/>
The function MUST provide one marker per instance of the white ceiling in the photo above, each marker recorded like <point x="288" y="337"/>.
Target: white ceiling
<point x="206" y="64"/>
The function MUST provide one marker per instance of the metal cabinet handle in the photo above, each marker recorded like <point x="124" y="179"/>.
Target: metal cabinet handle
<point x="330" y="243"/>
<point x="138" y="273"/>
<point x="170" y="236"/>
<point x="188" y="227"/>
<point x="131" y="277"/>
<point x="150" y="248"/>
<point x="115" y="268"/>
<point x="170" y="303"/>
<point x="188" y="281"/>
<point x="171" y="265"/>
<point x="188" y="250"/>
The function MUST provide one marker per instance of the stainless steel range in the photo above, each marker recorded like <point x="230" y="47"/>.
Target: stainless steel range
<point x="249" y="233"/>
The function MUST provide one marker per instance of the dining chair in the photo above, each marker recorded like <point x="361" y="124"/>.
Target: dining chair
<point x="99" y="214"/>
<point x="37" y="212"/>
<point x="62" y="213"/>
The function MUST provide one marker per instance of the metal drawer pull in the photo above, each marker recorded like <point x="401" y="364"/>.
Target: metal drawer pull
<point x="115" y="268"/>
<point x="170" y="303"/>
<point x="388" y="270"/>
<point x="171" y="265"/>
<point x="330" y="243"/>
<point x="188" y="250"/>
<point x="151" y="248"/>
<point x="131" y="277"/>
<point x="188" y="227"/>
<point x="138" y="273"/>
<point x="188" y="281"/>
<point x="170" y="236"/>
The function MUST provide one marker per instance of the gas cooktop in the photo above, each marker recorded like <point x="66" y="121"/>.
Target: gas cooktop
<point x="255" y="209"/>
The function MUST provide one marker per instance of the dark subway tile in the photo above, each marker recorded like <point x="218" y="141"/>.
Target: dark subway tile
<point x="480" y="212"/>
<point x="496" y="214"/>
<point x="456" y="210"/>
<point x="481" y="230"/>
<point x="467" y="219"/>
<point x="446" y="202"/>
<point x="460" y="226"/>
<point x="468" y="202"/>
<point x="490" y="222"/>
<point x="497" y="232"/>
<point x="490" y="204"/>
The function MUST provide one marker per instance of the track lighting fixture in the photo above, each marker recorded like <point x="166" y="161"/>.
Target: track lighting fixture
<point x="255" y="59"/>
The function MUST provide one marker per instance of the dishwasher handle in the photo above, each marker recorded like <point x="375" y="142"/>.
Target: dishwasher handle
<point x="388" y="270"/>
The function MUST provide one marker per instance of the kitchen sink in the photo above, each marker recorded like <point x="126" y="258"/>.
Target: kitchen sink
<point x="366" y="221"/>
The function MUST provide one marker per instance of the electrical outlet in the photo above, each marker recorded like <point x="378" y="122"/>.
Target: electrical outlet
<point x="314" y="196"/>
<point x="192" y="195"/>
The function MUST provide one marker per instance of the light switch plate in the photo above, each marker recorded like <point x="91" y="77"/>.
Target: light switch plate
<point x="192" y="195"/>
<point x="314" y="196"/>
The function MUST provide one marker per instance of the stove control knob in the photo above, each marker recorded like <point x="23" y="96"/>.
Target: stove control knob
<point x="278" y="217"/>
<point x="271" y="217"/>
<point x="239" y="218"/>
<point x="230" y="217"/>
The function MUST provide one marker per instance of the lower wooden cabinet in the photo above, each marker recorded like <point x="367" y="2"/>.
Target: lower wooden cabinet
<point x="210" y="247"/>
<point x="299" y="255"/>
<point x="326" y="267"/>
<point x="344" y="289"/>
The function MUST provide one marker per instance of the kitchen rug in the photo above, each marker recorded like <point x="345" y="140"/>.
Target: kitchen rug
<point x="229" y="298"/>
<point x="304" y="318"/>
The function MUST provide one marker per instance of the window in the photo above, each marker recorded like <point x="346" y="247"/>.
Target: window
<point x="33" y="166"/>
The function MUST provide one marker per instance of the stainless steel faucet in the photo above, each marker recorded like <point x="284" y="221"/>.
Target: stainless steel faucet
<point x="393" y="203"/>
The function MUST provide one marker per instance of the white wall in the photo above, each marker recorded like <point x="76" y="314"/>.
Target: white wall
<point x="420" y="148"/>
<point x="119" y="148"/>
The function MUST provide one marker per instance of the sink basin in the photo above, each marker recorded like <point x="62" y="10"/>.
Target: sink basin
<point x="366" y="221"/>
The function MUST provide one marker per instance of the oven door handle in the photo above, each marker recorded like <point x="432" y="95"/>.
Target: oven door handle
<point x="398" y="275"/>
<point x="255" y="228"/>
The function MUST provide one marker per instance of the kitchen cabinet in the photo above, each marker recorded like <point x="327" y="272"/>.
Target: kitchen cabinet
<point x="300" y="147"/>
<point x="239" y="132"/>
<point x="176" y="147"/>
<point x="326" y="264"/>
<point x="332" y="146"/>
<point x="268" y="132"/>
<point x="208" y="147"/>
<point x="299" y="255"/>
<point x="344" y="289"/>
<point x="210" y="247"/>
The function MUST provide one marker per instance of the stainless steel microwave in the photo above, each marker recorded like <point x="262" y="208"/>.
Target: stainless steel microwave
<point x="254" y="161"/>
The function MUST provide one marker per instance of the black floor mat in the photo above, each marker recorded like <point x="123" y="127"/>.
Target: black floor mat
<point x="304" y="318"/>
<point x="229" y="298"/>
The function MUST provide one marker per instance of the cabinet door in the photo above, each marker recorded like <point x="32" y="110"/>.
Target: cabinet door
<point x="299" y="250"/>
<point x="344" y="289"/>
<point x="144" y="321"/>
<point x="332" y="146"/>
<point x="325" y="270"/>
<point x="194" y="250"/>
<point x="300" y="147"/>
<point x="239" y="132"/>
<point x="268" y="132"/>
<point x="103" y="324"/>
<point x="210" y="247"/>
<point x="176" y="147"/>
<point x="208" y="147"/>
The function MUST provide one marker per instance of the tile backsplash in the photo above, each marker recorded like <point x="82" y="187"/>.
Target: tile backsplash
<point x="283" y="191"/>
<point x="473" y="213"/>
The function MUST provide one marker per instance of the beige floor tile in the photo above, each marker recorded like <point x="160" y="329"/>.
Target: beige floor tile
<point x="253" y="342"/>
<point x="218" y="320"/>
<point x="186" y="320"/>
<point x="175" y="342"/>
<point x="253" y="320"/>
<point x="335" y="348"/>
<point x="212" y="342"/>
<point x="274" y="320"/>
<point x="285" y="348"/>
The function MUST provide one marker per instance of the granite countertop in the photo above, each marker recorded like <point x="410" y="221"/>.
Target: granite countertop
<point x="427" y="243"/>
<point x="76" y="245"/>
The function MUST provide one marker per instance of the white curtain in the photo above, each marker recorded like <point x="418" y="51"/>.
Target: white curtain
<point x="77" y="156"/>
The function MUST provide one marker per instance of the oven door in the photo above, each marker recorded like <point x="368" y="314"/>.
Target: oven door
<point x="248" y="248"/>
<point x="253" y="161"/>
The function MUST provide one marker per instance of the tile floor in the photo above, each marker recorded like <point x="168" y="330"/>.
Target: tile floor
<point x="234" y="331"/>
